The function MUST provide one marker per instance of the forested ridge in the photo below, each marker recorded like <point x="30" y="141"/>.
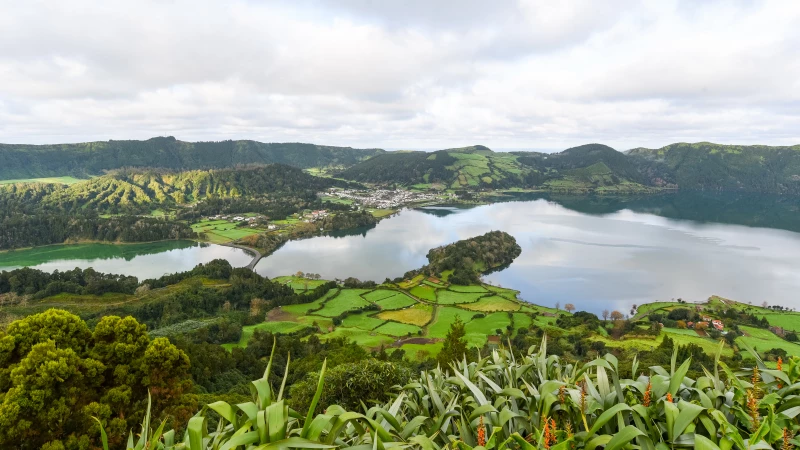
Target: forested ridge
<point x="141" y="190"/>
<point x="95" y="158"/>
<point x="701" y="166"/>
<point x="469" y="258"/>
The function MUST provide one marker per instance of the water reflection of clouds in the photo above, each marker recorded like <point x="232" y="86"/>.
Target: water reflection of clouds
<point x="595" y="262"/>
<point x="154" y="265"/>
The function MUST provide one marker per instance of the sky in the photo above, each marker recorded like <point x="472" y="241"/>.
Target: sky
<point x="524" y="74"/>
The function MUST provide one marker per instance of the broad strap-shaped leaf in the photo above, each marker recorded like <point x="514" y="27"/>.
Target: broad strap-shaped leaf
<point x="314" y="401"/>
<point x="608" y="415"/>
<point x="623" y="437"/>
<point x="687" y="412"/>
<point x="293" y="442"/>
<point x="677" y="377"/>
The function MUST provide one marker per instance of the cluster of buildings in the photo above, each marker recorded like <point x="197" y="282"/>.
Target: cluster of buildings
<point x="706" y="323"/>
<point x="252" y="221"/>
<point x="314" y="216"/>
<point x="383" y="198"/>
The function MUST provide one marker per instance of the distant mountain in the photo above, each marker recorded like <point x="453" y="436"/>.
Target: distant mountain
<point x="707" y="166"/>
<point x="94" y="158"/>
<point x="138" y="189"/>
<point x="593" y="167"/>
<point x="468" y="167"/>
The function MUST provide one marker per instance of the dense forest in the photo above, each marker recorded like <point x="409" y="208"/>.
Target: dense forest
<point x="140" y="191"/>
<point x="469" y="258"/>
<point x="702" y="166"/>
<point x="20" y="230"/>
<point x="707" y="166"/>
<point x="95" y="158"/>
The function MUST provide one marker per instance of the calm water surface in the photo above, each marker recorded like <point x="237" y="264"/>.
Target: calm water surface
<point x="150" y="260"/>
<point x="599" y="260"/>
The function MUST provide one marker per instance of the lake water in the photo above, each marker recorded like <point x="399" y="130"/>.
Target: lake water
<point x="601" y="253"/>
<point x="149" y="260"/>
<point x="595" y="252"/>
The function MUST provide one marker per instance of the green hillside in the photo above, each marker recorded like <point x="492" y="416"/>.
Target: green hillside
<point x="581" y="168"/>
<point x="94" y="158"/>
<point x="468" y="167"/>
<point x="592" y="167"/>
<point x="707" y="166"/>
<point x="137" y="189"/>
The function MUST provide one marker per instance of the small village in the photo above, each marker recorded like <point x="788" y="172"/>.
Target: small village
<point x="385" y="198"/>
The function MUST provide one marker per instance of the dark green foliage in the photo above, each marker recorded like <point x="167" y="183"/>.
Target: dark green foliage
<point x="455" y="346"/>
<point x="680" y="314"/>
<point x="56" y="373"/>
<point x="348" y="385"/>
<point x="349" y="220"/>
<point x="27" y="281"/>
<point x="707" y="166"/>
<point x="579" y="318"/>
<point x="470" y="257"/>
<point x="19" y="231"/>
<point x="403" y="168"/>
<point x="94" y="158"/>
<point x="574" y="161"/>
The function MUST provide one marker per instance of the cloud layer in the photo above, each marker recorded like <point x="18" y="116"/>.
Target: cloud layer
<point x="412" y="74"/>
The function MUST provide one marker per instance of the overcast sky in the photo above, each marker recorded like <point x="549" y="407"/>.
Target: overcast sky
<point x="402" y="74"/>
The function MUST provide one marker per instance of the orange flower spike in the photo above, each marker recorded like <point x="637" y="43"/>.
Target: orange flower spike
<point x="669" y="397"/>
<point x="780" y="363"/>
<point x="481" y="433"/>
<point x="647" y="394"/>
<point x="752" y="408"/>
<point x="787" y="437"/>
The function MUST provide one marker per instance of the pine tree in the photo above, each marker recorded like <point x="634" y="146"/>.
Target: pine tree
<point x="455" y="346"/>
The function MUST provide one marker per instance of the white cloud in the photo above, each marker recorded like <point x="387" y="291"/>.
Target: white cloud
<point x="522" y="74"/>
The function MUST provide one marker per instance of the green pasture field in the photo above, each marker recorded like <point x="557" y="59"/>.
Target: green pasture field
<point x="379" y="294"/>
<point x="396" y="301"/>
<point x="362" y="321"/>
<point x="364" y="338"/>
<point x="304" y="308"/>
<point x="47" y="180"/>
<point x="448" y="297"/>
<point x="459" y="288"/>
<point x="424" y="292"/>
<point x="786" y="320"/>
<point x="419" y="314"/>
<point x="347" y="300"/>
<point x="222" y="231"/>
<point x="421" y="351"/>
<point x="478" y="329"/>
<point x="521" y="320"/>
<point x="492" y="303"/>
<point x="378" y="213"/>
<point x="408" y="284"/>
<point x="444" y="317"/>
<point x="398" y="329"/>
<point x="762" y="340"/>
<point x="503" y="292"/>
<point x="299" y="284"/>
<point x="273" y="327"/>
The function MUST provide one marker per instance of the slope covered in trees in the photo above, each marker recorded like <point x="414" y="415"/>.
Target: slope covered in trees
<point x="94" y="158"/>
<point x="702" y="166"/>
<point x="707" y="166"/>
<point x="469" y="258"/>
<point x="141" y="190"/>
